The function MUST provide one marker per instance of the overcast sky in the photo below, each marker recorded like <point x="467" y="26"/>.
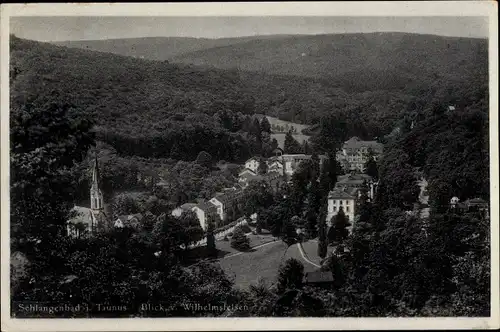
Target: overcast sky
<point x="85" y="28"/>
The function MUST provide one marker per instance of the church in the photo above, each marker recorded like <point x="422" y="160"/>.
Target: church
<point x="87" y="221"/>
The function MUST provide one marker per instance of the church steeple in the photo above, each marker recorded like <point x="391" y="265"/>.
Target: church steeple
<point x="96" y="199"/>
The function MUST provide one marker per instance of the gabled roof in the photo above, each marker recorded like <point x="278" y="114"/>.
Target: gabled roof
<point x="246" y="171"/>
<point x="318" y="277"/>
<point x="252" y="158"/>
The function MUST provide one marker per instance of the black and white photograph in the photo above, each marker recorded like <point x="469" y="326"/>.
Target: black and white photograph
<point x="249" y="166"/>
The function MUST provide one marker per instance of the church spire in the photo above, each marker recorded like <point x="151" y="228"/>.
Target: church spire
<point x="95" y="175"/>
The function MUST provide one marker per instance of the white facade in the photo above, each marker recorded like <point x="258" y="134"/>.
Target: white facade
<point x="220" y="207"/>
<point x="202" y="217"/>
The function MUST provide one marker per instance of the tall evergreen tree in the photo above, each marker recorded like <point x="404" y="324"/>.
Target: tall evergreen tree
<point x="265" y="126"/>
<point x="262" y="169"/>
<point x="322" y="240"/>
<point x="211" y="248"/>
<point x="339" y="227"/>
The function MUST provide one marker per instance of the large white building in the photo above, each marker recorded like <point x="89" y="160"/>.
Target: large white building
<point x="355" y="153"/>
<point x="347" y="194"/>
<point x="86" y="221"/>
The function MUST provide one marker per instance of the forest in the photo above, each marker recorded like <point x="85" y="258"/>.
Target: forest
<point x="195" y="124"/>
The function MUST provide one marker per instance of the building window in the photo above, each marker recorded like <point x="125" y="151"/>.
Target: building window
<point x="334" y="209"/>
<point x="347" y="209"/>
<point x="340" y="202"/>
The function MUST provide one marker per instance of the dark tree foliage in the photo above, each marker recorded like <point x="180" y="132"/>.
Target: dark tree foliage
<point x="291" y="145"/>
<point x="371" y="168"/>
<point x="290" y="275"/>
<point x="47" y="140"/>
<point x="265" y="126"/>
<point x="338" y="232"/>
<point x="211" y="247"/>
<point x="322" y="236"/>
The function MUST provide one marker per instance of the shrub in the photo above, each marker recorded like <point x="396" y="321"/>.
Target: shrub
<point x="239" y="240"/>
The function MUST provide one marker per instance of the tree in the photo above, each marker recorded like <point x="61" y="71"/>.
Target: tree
<point x="305" y="147"/>
<point x="43" y="172"/>
<point x="339" y="232"/>
<point x="371" y="168"/>
<point x="124" y="204"/>
<point x="239" y="240"/>
<point x="290" y="275"/>
<point x="322" y="241"/>
<point x="289" y="233"/>
<point x="262" y="169"/>
<point x="332" y="133"/>
<point x="265" y="126"/>
<point x="291" y="145"/>
<point x="192" y="231"/>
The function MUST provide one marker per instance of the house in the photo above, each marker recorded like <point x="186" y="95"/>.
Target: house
<point x="345" y="200"/>
<point x="87" y="221"/>
<point x="355" y="153"/>
<point x="177" y="212"/>
<point x="131" y="220"/>
<point x="292" y="161"/>
<point x="206" y="211"/>
<point x="253" y="164"/>
<point x="226" y="201"/>
<point x="357" y="181"/>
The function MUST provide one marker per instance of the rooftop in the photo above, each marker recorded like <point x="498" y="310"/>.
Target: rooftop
<point x="356" y="143"/>
<point x="205" y="206"/>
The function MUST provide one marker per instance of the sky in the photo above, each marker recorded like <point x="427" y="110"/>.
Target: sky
<point x="89" y="28"/>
